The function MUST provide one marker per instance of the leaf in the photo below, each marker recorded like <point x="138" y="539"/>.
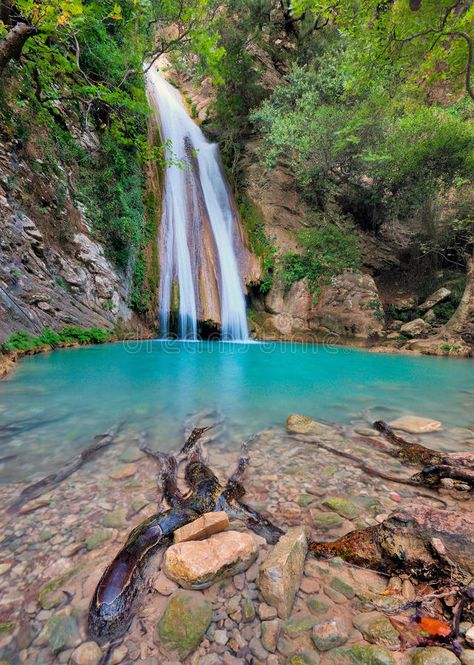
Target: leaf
<point x="116" y="13"/>
<point x="433" y="626"/>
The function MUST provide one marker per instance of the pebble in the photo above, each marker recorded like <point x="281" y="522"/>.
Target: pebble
<point x="265" y="611"/>
<point x="164" y="585"/>
<point x="469" y="636"/>
<point x="329" y="635"/>
<point x="221" y="637"/>
<point x="270" y="633"/>
<point x="88" y="653"/>
<point x="123" y="472"/>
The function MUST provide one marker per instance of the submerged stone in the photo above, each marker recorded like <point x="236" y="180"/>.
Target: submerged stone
<point x="298" y="424"/>
<point x="329" y="635"/>
<point x="343" y="587"/>
<point x="115" y="519"/>
<point x="326" y="521"/>
<point x="63" y="633"/>
<point x="298" y="625"/>
<point x="343" y="507"/>
<point x="184" y="623"/>
<point x="360" y="654"/>
<point x="88" y="653"/>
<point x="317" y="605"/>
<point x="416" y="425"/>
<point x="434" y="656"/>
<point x="377" y="628"/>
<point x="98" y="538"/>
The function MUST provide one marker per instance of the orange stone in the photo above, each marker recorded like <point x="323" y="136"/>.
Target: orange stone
<point x="203" y="527"/>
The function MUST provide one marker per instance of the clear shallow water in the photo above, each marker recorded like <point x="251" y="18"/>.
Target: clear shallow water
<point x="68" y="396"/>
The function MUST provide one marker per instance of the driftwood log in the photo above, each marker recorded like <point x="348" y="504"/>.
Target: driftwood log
<point x="111" y="609"/>
<point x="439" y="468"/>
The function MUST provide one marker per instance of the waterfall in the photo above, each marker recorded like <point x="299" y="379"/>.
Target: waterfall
<point x="198" y="226"/>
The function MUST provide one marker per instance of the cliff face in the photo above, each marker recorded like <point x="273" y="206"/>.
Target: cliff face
<point x="52" y="271"/>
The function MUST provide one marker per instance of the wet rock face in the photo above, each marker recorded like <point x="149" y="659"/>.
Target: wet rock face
<point x="48" y="282"/>
<point x="349" y="308"/>
<point x="198" y="564"/>
<point x="281" y="572"/>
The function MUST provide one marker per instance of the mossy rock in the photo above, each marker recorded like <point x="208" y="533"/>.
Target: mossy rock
<point x="304" y="658"/>
<point x="184" y="623"/>
<point x="297" y="626"/>
<point x="327" y="521"/>
<point x="7" y="627"/>
<point x="98" y="538"/>
<point x="377" y="628"/>
<point x="63" y="633"/>
<point x="343" y="587"/>
<point x="361" y="654"/>
<point x="317" y="605"/>
<point x="342" y="507"/>
<point x="116" y="519"/>
<point x="50" y="595"/>
<point x="434" y="656"/>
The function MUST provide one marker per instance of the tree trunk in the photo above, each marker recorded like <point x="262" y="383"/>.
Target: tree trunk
<point x="464" y="315"/>
<point x="12" y="44"/>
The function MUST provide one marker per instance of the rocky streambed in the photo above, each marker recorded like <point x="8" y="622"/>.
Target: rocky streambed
<point x="262" y="604"/>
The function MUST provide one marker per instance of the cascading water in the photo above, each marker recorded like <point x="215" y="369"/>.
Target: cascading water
<point x="197" y="227"/>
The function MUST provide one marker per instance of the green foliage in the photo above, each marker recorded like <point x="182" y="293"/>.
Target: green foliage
<point x="328" y="251"/>
<point x="372" y="156"/>
<point x="24" y="342"/>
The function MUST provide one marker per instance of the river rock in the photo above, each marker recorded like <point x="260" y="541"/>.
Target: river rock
<point x="361" y="654"/>
<point x="126" y="471"/>
<point x="281" y="572"/>
<point x="377" y="629"/>
<point x="183" y="625"/>
<point x="329" y="635"/>
<point x="416" y="425"/>
<point x="297" y="424"/>
<point x="469" y="636"/>
<point x="197" y="564"/>
<point x="326" y="521"/>
<point x="270" y="633"/>
<point x="63" y="633"/>
<point x="415" y="328"/>
<point x="88" y="653"/>
<point x="434" y="656"/>
<point x="467" y="657"/>
<point x="205" y="526"/>
<point x="435" y="298"/>
<point x="343" y="507"/>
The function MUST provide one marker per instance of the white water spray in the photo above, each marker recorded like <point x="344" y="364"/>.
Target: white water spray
<point x="194" y="196"/>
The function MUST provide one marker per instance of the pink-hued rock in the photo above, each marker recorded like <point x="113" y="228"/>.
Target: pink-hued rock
<point x="205" y="526"/>
<point x="197" y="564"/>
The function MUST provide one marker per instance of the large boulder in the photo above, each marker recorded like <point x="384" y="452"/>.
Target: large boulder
<point x="415" y="328"/>
<point x="435" y="298"/>
<point x="281" y="572"/>
<point x="349" y="307"/>
<point x="197" y="564"/>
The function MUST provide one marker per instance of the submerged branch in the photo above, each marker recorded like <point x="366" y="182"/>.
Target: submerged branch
<point x="49" y="482"/>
